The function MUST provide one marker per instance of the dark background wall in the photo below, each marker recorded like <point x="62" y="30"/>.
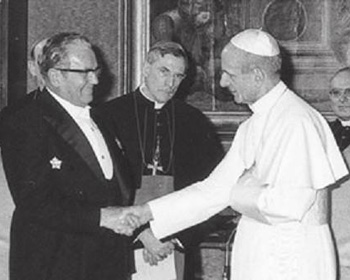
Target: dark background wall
<point x="98" y="20"/>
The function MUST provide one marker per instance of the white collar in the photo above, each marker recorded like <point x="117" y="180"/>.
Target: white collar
<point x="157" y="105"/>
<point x="266" y="102"/>
<point x="74" y="110"/>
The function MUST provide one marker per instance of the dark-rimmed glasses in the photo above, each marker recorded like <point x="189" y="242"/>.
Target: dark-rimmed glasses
<point x="96" y="71"/>
<point x="338" y="92"/>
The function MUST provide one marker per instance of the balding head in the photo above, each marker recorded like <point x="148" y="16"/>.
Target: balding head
<point x="339" y="93"/>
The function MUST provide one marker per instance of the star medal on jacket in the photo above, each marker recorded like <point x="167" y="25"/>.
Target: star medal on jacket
<point x="55" y="163"/>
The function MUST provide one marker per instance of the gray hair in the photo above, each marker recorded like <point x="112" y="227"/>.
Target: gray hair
<point x="163" y="48"/>
<point x="55" y="50"/>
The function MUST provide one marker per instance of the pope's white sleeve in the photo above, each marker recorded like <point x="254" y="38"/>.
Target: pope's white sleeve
<point x="198" y="202"/>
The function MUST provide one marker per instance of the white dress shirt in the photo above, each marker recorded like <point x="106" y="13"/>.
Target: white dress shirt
<point x="81" y="115"/>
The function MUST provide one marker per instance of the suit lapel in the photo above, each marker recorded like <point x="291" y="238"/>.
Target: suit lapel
<point x="68" y="129"/>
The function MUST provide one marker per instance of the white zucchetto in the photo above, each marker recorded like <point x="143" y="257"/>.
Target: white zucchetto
<point x="257" y="42"/>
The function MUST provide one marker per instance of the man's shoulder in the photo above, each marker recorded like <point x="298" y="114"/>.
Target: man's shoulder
<point x="22" y="115"/>
<point x="186" y="109"/>
<point x="23" y="108"/>
<point x="118" y="102"/>
<point x="183" y="105"/>
<point x="292" y="106"/>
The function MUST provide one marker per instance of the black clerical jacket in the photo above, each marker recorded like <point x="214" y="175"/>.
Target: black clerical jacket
<point x="341" y="134"/>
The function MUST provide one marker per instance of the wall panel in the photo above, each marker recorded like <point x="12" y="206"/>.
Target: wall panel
<point x="103" y="22"/>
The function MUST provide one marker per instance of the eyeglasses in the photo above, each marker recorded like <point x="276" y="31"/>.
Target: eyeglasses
<point x="338" y="93"/>
<point x="96" y="71"/>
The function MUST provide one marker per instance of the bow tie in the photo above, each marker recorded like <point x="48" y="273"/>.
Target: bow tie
<point x="85" y="113"/>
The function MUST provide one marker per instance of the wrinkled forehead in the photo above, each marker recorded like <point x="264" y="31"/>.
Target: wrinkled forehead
<point x="171" y="62"/>
<point x="81" y="53"/>
<point x="231" y="57"/>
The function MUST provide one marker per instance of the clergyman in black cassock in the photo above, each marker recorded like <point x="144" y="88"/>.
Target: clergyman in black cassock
<point x="161" y="135"/>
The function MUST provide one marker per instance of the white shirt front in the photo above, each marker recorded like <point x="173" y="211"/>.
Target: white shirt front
<point x="293" y="151"/>
<point x="81" y="115"/>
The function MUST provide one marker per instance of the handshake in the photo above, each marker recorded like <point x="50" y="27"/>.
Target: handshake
<point x="124" y="220"/>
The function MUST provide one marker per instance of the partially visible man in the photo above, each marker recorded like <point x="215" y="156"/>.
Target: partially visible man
<point x="340" y="214"/>
<point x="168" y="143"/>
<point x="6" y="208"/>
<point x="35" y="58"/>
<point x="66" y="175"/>
<point x="7" y="205"/>
<point x="276" y="173"/>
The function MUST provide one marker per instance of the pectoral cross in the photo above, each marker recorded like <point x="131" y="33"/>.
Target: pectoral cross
<point x="156" y="166"/>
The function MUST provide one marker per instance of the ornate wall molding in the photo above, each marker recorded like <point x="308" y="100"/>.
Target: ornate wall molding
<point x="140" y="25"/>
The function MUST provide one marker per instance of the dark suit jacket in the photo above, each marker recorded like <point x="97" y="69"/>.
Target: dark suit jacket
<point x="59" y="189"/>
<point x="341" y="134"/>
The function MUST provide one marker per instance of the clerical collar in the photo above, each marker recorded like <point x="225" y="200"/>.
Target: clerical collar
<point x="266" y="102"/>
<point x="73" y="110"/>
<point x="345" y="123"/>
<point x="143" y="90"/>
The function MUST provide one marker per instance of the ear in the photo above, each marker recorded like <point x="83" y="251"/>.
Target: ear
<point x="146" y="69"/>
<point x="55" y="77"/>
<point x="259" y="75"/>
<point x="31" y="68"/>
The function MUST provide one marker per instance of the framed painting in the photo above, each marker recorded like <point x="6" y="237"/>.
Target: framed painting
<point x="203" y="27"/>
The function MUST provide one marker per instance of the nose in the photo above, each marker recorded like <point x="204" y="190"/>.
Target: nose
<point x="344" y="98"/>
<point x="93" y="78"/>
<point x="224" y="81"/>
<point x="171" y="80"/>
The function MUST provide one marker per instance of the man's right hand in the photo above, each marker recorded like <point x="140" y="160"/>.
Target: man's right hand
<point x="143" y="212"/>
<point x="124" y="220"/>
<point x="119" y="220"/>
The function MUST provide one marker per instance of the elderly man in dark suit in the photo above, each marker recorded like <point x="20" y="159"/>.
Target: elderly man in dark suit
<point x="67" y="177"/>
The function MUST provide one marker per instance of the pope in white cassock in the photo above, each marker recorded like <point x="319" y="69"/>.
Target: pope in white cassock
<point x="276" y="173"/>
